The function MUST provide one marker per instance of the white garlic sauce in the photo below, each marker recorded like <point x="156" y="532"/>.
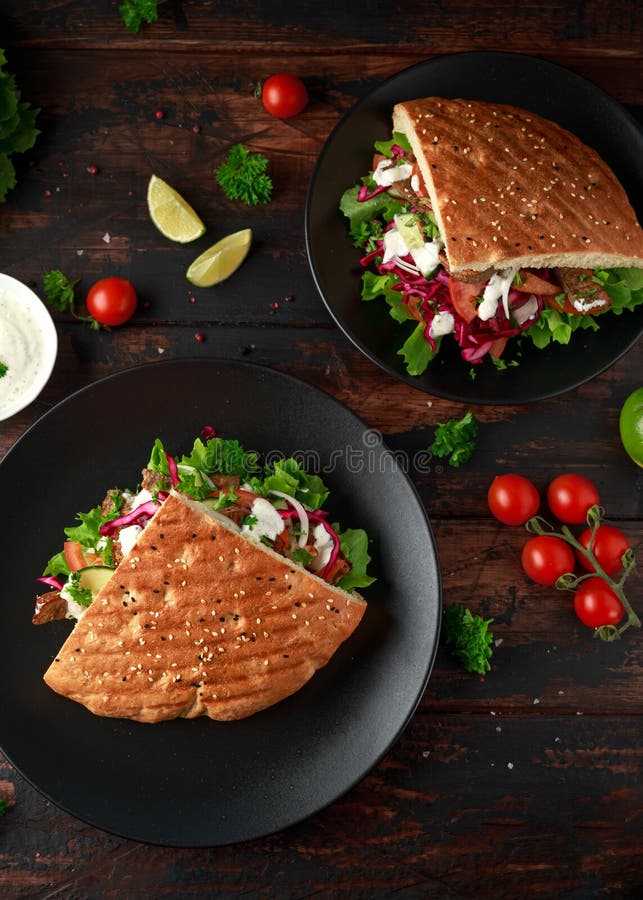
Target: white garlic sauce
<point x="22" y="348"/>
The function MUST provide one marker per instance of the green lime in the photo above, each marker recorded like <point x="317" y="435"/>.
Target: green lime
<point x="631" y="425"/>
<point x="219" y="261"/>
<point x="173" y="217"/>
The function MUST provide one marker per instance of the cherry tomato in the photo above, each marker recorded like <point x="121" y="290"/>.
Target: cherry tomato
<point x="77" y="558"/>
<point x="111" y="301"/>
<point x="570" y="496"/>
<point x="284" y="95"/>
<point x="609" y="546"/>
<point x="596" y="603"/>
<point x="545" y="558"/>
<point x="513" y="499"/>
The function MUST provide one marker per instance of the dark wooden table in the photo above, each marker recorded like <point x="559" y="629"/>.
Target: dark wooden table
<point x="525" y="782"/>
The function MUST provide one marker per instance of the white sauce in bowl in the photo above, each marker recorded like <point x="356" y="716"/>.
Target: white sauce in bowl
<point x="28" y="346"/>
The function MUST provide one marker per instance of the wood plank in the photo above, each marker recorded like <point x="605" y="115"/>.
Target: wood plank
<point x="460" y="803"/>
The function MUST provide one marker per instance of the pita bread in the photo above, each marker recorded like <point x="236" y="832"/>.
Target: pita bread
<point x="511" y="189"/>
<point x="197" y="620"/>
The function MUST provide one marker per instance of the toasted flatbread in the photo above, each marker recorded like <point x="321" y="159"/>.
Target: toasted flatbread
<point x="198" y="620"/>
<point x="510" y="188"/>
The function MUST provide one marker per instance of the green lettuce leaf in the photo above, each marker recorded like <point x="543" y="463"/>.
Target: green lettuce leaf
<point x="354" y="546"/>
<point x="374" y="285"/>
<point x="361" y="214"/>
<point x="222" y="457"/>
<point x="625" y="287"/>
<point x="288" y="476"/>
<point x="385" y="147"/>
<point x="417" y="351"/>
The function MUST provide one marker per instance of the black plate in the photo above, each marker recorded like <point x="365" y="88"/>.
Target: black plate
<point x="199" y="782"/>
<point x="525" y="81"/>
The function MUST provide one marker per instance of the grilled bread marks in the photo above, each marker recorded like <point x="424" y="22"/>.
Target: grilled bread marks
<point x="198" y="620"/>
<point x="509" y="188"/>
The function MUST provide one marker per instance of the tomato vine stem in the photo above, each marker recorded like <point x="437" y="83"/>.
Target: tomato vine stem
<point x="570" y="582"/>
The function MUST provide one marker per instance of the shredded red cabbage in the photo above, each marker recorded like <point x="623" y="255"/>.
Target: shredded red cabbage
<point x="174" y="472"/>
<point x="475" y="338"/>
<point x="52" y="582"/>
<point x="144" y="511"/>
<point x="319" y="516"/>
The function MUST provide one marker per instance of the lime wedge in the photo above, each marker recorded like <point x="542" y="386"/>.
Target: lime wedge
<point x="173" y="217"/>
<point x="219" y="261"/>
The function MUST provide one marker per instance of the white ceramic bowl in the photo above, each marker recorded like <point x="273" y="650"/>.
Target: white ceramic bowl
<point x="28" y="346"/>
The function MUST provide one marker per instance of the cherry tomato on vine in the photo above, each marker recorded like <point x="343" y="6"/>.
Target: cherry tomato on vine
<point x="513" y="499"/>
<point x="609" y="546"/>
<point x="545" y="558"/>
<point x="570" y="496"/>
<point x="284" y="95"/>
<point x="597" y="604"/>
<point x="111" y="301"/>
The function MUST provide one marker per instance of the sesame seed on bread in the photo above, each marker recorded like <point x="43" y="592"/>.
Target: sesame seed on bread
<point x="512" y="189"/>
<point x="198" y="620"/>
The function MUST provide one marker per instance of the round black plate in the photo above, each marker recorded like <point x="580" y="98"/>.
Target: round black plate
<point x="199" y="782"/>
<point x="524" y="81"/>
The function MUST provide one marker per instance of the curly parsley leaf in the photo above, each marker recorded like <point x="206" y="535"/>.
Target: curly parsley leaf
<point x="77" y="592"/>
<point x="59" y="291"/>
<point x="455" y="439"/>
<point x="18" y="130"/>
<point x="469" y="639"/>
<point x="135" y="12"/>
<point x="4" y="368"/>
<point x="242" y="176"/>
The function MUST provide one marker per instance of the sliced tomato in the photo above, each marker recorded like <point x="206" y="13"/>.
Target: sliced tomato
<point x="550" y="300"/>
<point x="377" y="159"/>
<point x="77" y="558"/>
<point x="498" y="347"/>
<point x="248" y="497"/>
<point x="463" y="296"/>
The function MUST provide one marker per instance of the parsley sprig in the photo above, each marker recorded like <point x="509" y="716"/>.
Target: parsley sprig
<point x="468" y="638"/>
<point x="4" y="368"/>
<point x="455" y="439"/>
<point x="135" y="12"/>
<point x="60" y="294"/>
<point x="18" y="130"/>
<point x="242" y="176"/>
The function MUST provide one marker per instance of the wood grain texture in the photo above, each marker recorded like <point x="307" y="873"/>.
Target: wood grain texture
<point x="528" y="780"/>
